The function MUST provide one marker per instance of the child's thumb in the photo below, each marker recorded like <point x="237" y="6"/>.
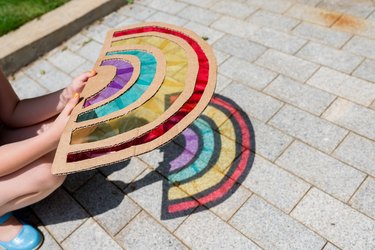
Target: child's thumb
<point x="71" y="104"/>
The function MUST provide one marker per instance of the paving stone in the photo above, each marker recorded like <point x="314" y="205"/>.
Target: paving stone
<point x="364" y="199"/>
<point x="86" y="66"/>
<point x="147" y="192"/>
<point x="247" y="73"/>
<point x="322" y="34"/>
<point x="348" y="7"/>
<point x="240" y="47"/>
<point x="204" y="31"/>
<point x="136" y="11"/>
<point x="145" y="233"/>
<point x="288" y="65"/>
<point x="237" y="197"/>
<point x="66" y="60"/>
<point x="270" y="142"/>
<point x="109" y="206"/>
<point x="362" y="46"/>
<point x="127" y="22"/>
<point x="113" y="19"/>
<point x="273" y="20"/>
<point x="366" y="70"/>
<point x="199" y="15"/>
<point x="323" y="171"/>
<point x="358" y="152"/>
<point x="353" y="117"/>
<point x="204" y="230"/>
<point x="26" y="88"/>
<point x="203" y="4"/>
<point x="275" y="185"/>
<point x="356" y="26"/>
<point x="76" y="180"/>
<point x="235" y="26"/>
<point x="279" y="6"/>
<point x="233" y="8"/>
<point x="272" y="229"/>
<point x="313" y="15"/>
<point x="278" y="40"/>
<point x="167" y="18"/>
<point x="90" y="51"/>
<point x="343" y="85"/>
<point x="123" y="173"/>
<point x="220" y="56"/>
<point x="169" y="6"/>
<point x="308" y="128"/>
<point x="330" y="246"/>
<point x="90" y="236"/>
<point x="38" y="69"/>
<point x="337" y="222"/>
<point x="76" y="42"/>
<point x="252" y="102"/>
<point x="222" y="82"/>
<point x="301" y="95"/>
<point x="333" y="58"/>
<point x="49" y="242"/>
<point x="96" y="32"/>
<point x="54" y="80"/>
<point x="52" y="211"/>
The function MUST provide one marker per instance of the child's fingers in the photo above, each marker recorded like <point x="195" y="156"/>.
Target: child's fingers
<point x="85" y="76"/>
<point x="71" y="104"/>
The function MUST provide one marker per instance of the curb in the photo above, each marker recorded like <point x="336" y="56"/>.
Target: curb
<point x="39" y="36"/>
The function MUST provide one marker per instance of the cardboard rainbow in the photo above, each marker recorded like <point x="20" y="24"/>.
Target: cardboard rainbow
<point x="153" y="81"/>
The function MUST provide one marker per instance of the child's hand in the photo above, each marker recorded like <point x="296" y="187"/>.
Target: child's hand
<point x="76" y="86"/>
<point x="56" y="129"/>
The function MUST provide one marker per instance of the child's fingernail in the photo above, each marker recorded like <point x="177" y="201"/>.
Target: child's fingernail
<point x="76" y="95"/>
<point x="92" y="72"/>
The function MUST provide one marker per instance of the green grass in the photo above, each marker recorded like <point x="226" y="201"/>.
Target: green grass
<point x="14" y="13"/>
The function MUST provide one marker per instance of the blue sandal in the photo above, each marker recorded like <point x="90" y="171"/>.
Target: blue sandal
<point x="29" y="238"/>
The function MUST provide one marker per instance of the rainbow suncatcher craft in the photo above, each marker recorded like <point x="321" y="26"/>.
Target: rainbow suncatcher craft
<point x="153" y="81"/>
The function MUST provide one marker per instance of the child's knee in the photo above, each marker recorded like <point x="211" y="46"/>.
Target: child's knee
<point x="46" y="180"/>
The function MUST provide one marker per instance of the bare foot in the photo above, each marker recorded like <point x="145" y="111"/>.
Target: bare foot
<point x="10" y="229"/>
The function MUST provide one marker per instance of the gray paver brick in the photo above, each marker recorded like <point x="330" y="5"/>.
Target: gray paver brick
<point x="352" y="116"/>
<point x="275" y="185"/>
<point x="145" y="233"/>
<point x="247" y="73"/>
<point x="305" y="97"/>
<point x="199" y="15"/>
<point x="76" y="180"/>
<point x="233" y="8"/>
<point x="96" y="32"/>
<point x="204" y="31"/>
<point x="220" y="56"/>
<point x="279" y="6"/>
<point x="288" y="65"/>
<point x="236" y="199"/>
<point x="330" y="57"/>
<point x="273" y="20"/>
<point x="362" y="46"/>
<point x="90" y="51"/>
<point x="254" y="103"/>
<point x="76" y="42"/>
<point x="169" y="6"/>
<point x="113" y="19"/>
<point x="366" y="70"/>
<point x="335" y="221"/>
<point x="348" y="7"/>
<point x="54" y="80"/>
<point x="53" y="213"/>
<point x="321" y="170"/>
<point x="357" y="151"/>
<point x="26" y="88"/>
<point x="272" y="229"/>
<point x="86" y="66"/>
<point x="308" y="128"/>
<point x="167" y="18"/>
<point x="90" y="236"/>
<point x="109" y="206"/>
<point x="322" y="34"/>
<point x="49" y="243"/>
<point x="240" y="47"/>
<point x="203" y="4"/>
<point x="38" y="69"/>
<point x="66" y="60"/>
<point x="278" y="40"/>
<point x="235" y="26"/>
<point x="343" y="85"/>
<point x="330" y="246"/>
<point x="270" y="142"/>
<point x="136" y="11"/>
<point x="205" y="230"/>
<point x="364" y="199"/>
<point x="222" y="82"/>
<point x="311" y="14"/>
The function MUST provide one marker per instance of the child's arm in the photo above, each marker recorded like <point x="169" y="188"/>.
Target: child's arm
<point x="15" y="156"/>
<point x="16" y="113"/>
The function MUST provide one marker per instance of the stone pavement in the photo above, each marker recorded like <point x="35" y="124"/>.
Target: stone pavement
<point x="302" y="70"/>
